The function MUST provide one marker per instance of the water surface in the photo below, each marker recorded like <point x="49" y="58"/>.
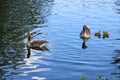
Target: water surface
<point x="60" y="23"/>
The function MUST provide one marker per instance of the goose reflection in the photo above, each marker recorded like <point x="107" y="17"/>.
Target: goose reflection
<point x="38" y="49"/>
<point x="29" y="53"/>
<point x="85" y="34"/>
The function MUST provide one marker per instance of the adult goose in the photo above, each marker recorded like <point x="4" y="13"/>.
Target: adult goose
<point x="36" y="44"/>
<point x="85" y="34"/>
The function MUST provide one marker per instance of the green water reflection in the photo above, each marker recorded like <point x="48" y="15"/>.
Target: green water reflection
<point x="17" y="17"/>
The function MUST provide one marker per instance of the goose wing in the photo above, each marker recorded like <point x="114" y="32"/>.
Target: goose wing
<point x="38" y="43"/>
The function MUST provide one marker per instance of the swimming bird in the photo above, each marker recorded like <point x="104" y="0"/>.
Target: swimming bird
<point x="98" y="34"/>
<point x="85" y="33"/>
<point x="105" y="34"/>
<point x="36" y="44"/>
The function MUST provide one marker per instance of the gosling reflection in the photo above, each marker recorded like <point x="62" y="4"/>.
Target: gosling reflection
<point x="85" y="35"/>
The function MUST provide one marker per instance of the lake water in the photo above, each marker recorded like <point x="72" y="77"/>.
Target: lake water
<point x="59" y="22"/>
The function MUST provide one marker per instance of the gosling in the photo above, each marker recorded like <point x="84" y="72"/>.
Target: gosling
<point x="98" y="34"/>
<point x="105" y="34"/>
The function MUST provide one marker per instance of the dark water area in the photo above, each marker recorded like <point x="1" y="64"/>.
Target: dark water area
<point x="59" y="22"/>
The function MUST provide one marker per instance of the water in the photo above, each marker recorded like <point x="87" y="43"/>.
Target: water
<point x="60" y="23"/>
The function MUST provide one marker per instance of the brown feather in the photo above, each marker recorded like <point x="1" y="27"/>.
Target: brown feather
<point x="85" y="33"/>
<point x="35" y="43"/>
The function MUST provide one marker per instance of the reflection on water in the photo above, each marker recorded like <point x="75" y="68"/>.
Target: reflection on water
<point x="116" y="57"/>
<point x="84" y="44"/>
<point x="59" y="22"/>
<point x="38" y="49"/>
<point x="117" y="2"/>
<point x="116" y="61"/>
<point x="16" y="19"/>
<point x="28" y="53"/>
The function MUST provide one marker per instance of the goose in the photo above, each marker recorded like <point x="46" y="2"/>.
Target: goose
<point x="105" y="34"/>
<point x="36" y="44"/>
<point x="98" y="34"/>
<point x="85" y="34"/>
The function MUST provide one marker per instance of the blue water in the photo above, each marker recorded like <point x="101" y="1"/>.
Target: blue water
<point x="60" y="22"/>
